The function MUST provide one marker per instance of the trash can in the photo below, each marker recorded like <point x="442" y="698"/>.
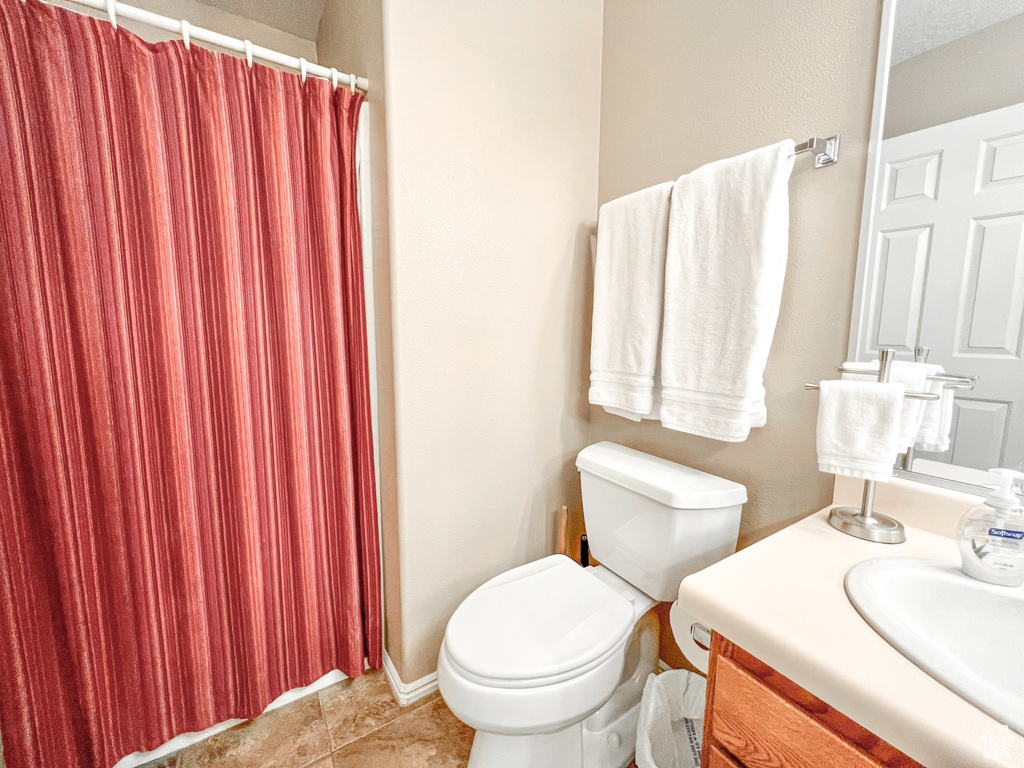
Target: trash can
<point x="668" y="734"/>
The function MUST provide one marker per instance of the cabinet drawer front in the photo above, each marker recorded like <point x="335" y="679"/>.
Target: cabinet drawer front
<point x="718" y="759"/>
<point x="764" y="730"/>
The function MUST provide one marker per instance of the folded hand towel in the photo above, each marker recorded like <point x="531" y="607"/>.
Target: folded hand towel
<point x="914" y="378"/>
<point x="629" y="280"/>
<point x="728" y="241"/>
<point x="858" y="428"/>
<point x="937" y="419"/>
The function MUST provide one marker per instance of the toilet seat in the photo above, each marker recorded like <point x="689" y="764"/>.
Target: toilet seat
<point x="537" y="625"/>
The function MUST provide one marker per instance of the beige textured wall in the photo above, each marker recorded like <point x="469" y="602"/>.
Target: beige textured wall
<point x="202" y="14"/>
<point x="687" y="83"/>
<point x="351" y="39"/>
<point x="493" y="115"/>
<point x="975" y="74"/>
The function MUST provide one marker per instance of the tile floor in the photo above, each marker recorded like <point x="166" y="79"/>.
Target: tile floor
<point x="353" y="723"/>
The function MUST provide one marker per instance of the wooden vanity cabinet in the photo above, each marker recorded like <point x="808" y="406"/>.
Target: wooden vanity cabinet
<point x="757" y="718"/>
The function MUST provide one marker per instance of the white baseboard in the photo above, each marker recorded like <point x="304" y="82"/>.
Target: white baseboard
<point x="407" y="693"/>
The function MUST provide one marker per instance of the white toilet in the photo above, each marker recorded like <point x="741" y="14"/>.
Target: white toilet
<point x="548" y="660"/>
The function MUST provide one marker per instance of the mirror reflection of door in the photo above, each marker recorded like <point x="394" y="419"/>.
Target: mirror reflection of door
<point x="949" y="230"/>
<point x="945" y="253"/>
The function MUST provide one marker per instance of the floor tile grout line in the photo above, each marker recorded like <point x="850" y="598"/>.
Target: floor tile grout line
<point x="408" y="709"/>
<point x="323" y="719"/>
<point x="370" y="732"/>
<point x="316" y="760"/>
<point x="379" y="727"/>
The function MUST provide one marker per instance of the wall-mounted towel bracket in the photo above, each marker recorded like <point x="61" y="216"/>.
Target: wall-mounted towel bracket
<point x="826" y="151"/>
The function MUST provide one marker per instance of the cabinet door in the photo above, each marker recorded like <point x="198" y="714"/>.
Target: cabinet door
<point x="764" y="730"/>
<point x="758" y="718"/>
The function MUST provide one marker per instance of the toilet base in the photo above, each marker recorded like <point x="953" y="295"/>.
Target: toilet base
<point x="561" y="749"/>
<point x="609" y="735"/>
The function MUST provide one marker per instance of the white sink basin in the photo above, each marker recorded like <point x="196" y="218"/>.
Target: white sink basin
<point x="966" y="634"/>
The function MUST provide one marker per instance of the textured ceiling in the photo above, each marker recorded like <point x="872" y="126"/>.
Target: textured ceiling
<point x="297" y="17"/>
<point x="925" y="24"/>
<point x="920" y="24"/>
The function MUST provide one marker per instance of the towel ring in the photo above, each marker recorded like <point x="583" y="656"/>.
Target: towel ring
<point x="248" y="52"/>
<point x="112" y="12"/>
<point x="186" y="34"/>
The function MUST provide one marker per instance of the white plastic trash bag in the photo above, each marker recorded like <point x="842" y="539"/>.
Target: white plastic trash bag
<point x="668" y="734"/>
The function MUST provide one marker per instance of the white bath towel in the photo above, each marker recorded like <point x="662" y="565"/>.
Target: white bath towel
<point x="914" y="378"/>
<point x="728" y="241"/>
<point x="937" y="419"/>
<point x="629" y="279"/>
<point x="858" y="428"/>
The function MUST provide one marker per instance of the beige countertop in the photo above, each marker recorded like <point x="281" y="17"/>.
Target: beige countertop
<point x="782" y="599"/>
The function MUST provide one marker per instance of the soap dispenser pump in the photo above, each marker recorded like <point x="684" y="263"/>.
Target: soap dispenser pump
<point x="991" y="535"/>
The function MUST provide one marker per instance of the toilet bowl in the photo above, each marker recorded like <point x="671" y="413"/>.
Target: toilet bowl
<point x="551" y="690"/>
<point x="535" y="649"/>
<point x="548" y="660"/>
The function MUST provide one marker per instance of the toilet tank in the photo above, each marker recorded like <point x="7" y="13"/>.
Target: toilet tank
<point x="652" y="521"/>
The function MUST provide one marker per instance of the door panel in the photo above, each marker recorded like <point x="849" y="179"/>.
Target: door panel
<point x="994" y="290"/>
<point x="979" y="430"/>
<point x="902" y="269"/>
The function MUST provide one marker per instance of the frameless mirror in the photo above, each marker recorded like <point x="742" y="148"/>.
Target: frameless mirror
<point x="941" y="262"/>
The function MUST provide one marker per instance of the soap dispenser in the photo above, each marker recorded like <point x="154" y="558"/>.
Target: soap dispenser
<point x="991" y="535"/>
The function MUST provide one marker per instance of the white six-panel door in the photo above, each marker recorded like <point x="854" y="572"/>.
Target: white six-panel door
<point x="946" y="271"/>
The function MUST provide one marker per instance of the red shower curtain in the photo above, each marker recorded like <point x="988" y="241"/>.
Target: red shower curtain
<point x="187" y="505"/>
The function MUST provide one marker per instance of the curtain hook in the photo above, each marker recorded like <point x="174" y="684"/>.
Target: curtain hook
<point x="112" y="12"/>
<point x="334" y="77"/>
<point x="185" y="34"/>
<point x="248" y="53"/>
<point x="302" y="68"/>
<point x="352" y="81"/>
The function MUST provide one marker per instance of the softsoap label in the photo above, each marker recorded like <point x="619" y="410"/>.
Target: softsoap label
<point x="1002" y="533"/>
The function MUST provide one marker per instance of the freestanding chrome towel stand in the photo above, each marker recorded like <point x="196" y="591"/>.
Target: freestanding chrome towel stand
<point x="865" y="523"/>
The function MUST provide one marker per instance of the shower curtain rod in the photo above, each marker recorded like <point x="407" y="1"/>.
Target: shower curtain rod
<point x="115" y="10"/>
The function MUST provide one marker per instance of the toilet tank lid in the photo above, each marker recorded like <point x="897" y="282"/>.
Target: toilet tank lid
<point x="663" y="481"/>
